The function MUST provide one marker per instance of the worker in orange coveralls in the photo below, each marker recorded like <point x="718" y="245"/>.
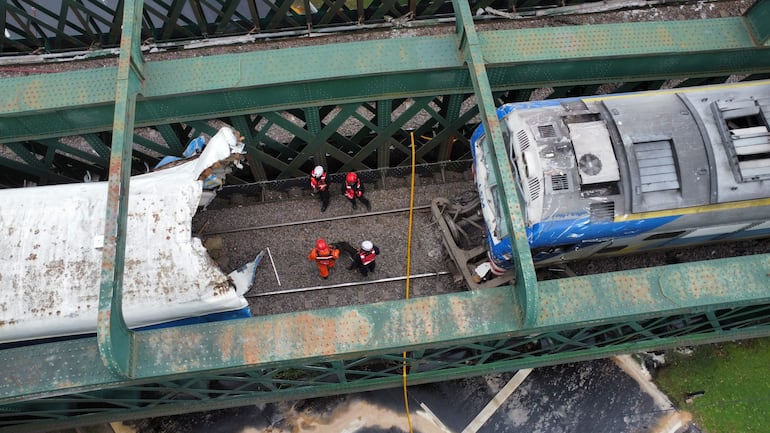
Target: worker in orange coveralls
<point x="324" y="256"/>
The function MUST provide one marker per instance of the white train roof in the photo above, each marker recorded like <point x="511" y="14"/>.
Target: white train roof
<point x="52" y="245"/>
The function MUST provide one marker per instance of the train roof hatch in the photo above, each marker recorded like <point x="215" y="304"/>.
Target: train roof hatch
<point x="748" y="136"/>
<point x="593" y="152"/>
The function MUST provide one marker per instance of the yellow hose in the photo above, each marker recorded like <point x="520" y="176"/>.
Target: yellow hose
<point x="408" y="271"/>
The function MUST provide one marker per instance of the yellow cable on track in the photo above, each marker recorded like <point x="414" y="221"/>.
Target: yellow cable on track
<point x="408" y="269"/>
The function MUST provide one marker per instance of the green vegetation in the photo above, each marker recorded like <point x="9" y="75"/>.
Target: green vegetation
<point x="735" y="378"/>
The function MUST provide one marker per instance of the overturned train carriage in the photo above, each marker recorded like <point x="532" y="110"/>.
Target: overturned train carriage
<point x="52" y="245"/>
<point x="625" y="173"/>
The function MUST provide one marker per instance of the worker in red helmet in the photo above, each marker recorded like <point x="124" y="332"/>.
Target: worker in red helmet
<point x="353" y="189"/>
<point x="364" y="257"/>
<point x="319" y="185"/>
<point x="324" y="256"/>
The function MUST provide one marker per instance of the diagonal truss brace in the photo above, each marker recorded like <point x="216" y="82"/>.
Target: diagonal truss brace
<point x="525" y="286"/>
<point x="758" y="19"/>
<point x="116" y="341"/>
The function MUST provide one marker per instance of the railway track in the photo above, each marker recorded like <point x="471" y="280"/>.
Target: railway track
<point x="203" y="232"/>
<point x="287" y="281"/>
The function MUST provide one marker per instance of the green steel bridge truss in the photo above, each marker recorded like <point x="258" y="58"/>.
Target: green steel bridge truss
<point x="121" y="374"/>
<point x="334" y="351"/>
<point x="343" y="104"/>
<point x="64" y="25"/>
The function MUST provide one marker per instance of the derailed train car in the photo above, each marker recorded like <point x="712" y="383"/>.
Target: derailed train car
<point x="52" y="245"/>
<point x="632" y="172"/>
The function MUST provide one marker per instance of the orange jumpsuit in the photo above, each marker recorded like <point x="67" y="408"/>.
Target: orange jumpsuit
<point x="324" y="259"/>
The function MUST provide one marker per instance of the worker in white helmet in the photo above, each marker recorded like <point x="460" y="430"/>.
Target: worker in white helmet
<point x="364" y="257"/>
<point x="319" y="185"/>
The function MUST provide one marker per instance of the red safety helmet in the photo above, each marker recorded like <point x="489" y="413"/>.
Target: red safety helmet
<point x="351" y="177"/>
<point x="320" y="244"/>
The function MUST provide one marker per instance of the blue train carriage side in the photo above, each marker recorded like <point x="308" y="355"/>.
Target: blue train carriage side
<point x="625" y="173"/>
<point x="52" y="245"/>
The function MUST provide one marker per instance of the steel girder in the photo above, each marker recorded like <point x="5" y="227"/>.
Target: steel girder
<point x="91" y="25"/>
<point x="341" y="350"/>
<point x="256" y="90"/>
<point x="77" y="102"/>
<point x="357" y="136"/>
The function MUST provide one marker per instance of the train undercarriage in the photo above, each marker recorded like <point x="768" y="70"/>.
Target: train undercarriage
<point x="463" y="234"/>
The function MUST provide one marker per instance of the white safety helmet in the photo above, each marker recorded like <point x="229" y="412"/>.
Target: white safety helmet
<point x="318" y="171"/>
<point x="366" y="246"/>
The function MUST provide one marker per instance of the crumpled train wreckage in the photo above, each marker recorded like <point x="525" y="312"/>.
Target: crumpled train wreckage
<point x="53" y="236"/>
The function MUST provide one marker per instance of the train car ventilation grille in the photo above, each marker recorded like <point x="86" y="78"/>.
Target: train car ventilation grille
<point x="559" y="182"/>
<point x="657" y="166"/>
<point x="534" y="189"/>
<point x="523" y="140"/>
<point x="747" y="137"/>
<point x="547" y="131"/>
<point x="602" y="211"/>
<point x="593" y="151"/>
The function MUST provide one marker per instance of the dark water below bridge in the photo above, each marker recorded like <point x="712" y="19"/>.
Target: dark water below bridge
<point x="601" y="396"/>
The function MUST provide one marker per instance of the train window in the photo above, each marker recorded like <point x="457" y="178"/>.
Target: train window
<point x="657" y="165"/>
<point x="667" y="235"/>
<point x="710" y="232"/>
<point x="613" y="249"/>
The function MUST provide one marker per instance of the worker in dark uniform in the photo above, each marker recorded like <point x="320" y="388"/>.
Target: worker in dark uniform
<point x="320" y="186"/>
<point x="364" y="257"/>
<point x="353" y="189"/>
<point x="324" y="256"/>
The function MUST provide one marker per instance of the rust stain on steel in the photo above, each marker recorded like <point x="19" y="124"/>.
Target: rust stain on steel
<point x="701" y="281"/>
<point x="170" y="343"/>
<point x="226" y="343"/>
<point x="688" y="285"/>
<point x="31" y="95"/>
<point x="665" y="35"/>
<point x="103" y="321"/>
<point x="417" y="322"/>
<point x="632" y="289"/>
<point x="710" y="283"/>
<point x="305" y="335"/>
<point x="254" y="353"/>
<point x="570" y="293"/>
<point x="460" y="319"/>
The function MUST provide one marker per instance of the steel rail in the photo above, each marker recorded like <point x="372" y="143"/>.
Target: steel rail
<point x="312" y="221"/>
<point x="349" y="284"/>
